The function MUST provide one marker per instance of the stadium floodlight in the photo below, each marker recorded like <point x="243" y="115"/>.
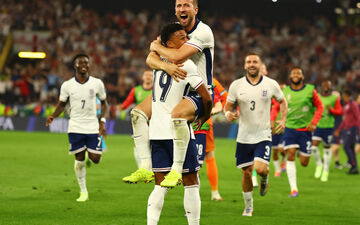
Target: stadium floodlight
<point x="358" y="5"/>
<point x="274" y="0"/>
<point x="318" y="1"/>
<point x="338" y="11"/>
<point x="32" y="55"/>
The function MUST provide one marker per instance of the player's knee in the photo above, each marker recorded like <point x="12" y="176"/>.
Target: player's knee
<point x="178" y="114"/>
<point x="247" y="173"/>
<point x="190" y="179"/>
<point x="95" y="158"/>
<point x="262" y="171"/>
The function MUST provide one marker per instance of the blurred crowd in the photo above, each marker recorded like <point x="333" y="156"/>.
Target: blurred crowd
<point x="117" y="44"/>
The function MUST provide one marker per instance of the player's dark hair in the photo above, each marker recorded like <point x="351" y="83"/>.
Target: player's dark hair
<point x="168" y="30"/>
<point x="297" y="67"/>
<point x="195" y="3"/>
<point x="347" y="91"/>
<point x="78" y="56"/>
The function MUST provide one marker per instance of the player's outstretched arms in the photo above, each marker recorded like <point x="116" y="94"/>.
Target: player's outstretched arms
<point x="59" y="108"/>
<point x="207" y="102"/>
<point x="154" y="62"/>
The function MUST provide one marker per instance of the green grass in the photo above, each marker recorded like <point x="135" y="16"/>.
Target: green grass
<point x="38" y="186"/>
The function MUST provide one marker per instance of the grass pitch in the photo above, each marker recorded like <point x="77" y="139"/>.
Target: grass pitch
<point x="38" y="186"/>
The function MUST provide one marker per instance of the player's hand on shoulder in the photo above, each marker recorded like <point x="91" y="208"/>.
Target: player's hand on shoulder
<point x="175" y="71"/>
<point x="49" y="120"/>
<point x="154" y="44"/>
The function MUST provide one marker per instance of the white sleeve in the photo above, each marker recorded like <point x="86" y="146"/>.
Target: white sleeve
<point x="201" y="40"/>
<point x="64" y="92"/>
<point x="193" y="77"/>
<point x="102" y="92"/>
<point x="232" y="93"/>
<point x="277" y="92"/>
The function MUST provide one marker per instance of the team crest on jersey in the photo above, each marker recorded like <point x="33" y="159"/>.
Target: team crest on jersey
<point x="92" y="92"/>
<point x="264" y="93"/>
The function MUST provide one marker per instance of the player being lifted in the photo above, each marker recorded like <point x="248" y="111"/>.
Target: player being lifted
<point x="200" y="49"/>
<point x="300" y="122"/>
<point x="167" y="93"/>
<point x="253" y="94"/>
<point x="84" y="130"/>
<point x="325" y="129"/>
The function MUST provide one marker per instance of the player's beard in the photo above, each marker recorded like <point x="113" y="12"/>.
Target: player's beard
<point x="298" y="82"/>
<point x="189" y="20"/>
<point x="253" y="75"/>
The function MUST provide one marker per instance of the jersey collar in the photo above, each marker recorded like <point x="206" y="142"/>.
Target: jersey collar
<point x="261" y="78"/>
<point x="79" y="81"/>
<point x="197" y="21"/>
<point x="297" y="89"/>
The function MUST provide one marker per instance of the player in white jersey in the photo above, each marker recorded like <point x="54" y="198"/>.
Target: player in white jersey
<point x="84" y="130"/>
<point x="166" y="95"/>
<point x="200" y="49"/>
<point x="253" y="93"/>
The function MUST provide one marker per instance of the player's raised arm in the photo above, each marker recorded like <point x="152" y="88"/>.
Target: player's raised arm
<point x="59" y="109"/>
<point x="154" y="62"/>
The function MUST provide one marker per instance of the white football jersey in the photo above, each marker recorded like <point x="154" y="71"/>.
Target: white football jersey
<point x="167" y="93"/>
<point x="82" y="100"/>
<point x="202" y="38"/>
<point x="255" y="105"/>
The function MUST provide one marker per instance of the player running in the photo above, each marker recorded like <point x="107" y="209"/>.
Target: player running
<point x="84" y="130"/>
<point x="325" y="129"/>
<point x="167" y="93"/>
<point x="253" y="94"/>
<point x="300" y="122"/>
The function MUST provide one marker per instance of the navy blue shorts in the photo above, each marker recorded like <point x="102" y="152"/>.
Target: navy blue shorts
<point x="277" y="141"/>
<point x="196" y="100"/>
<point x="80" y="142"/>
<point x="162" y="156"/>
<point x="298" y="139"/>
<point x="200" y="140"/>
<point x="325" y="135"/>
<point x="247" y="153"/>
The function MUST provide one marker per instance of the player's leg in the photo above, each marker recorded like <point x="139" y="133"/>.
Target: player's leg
<point x="139" y="120"/>
<point x="183" y="112"/>
<point x="211" y="167"/>
<point x="275" y="155"/>
<point x="349" y="146"/>
<point x="94" y="149"/>
<point x="77" y="148"/>
<point x="290" y="147"/>
<point x="245" y="161"/>
<point x="261" y="164"/>
<point x="192" y="202"/>
<point x="315" y="152"/>
<point x="326" y="155"/>
<point x="161" y="161"/>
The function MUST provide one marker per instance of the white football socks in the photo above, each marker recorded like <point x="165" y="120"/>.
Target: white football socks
<point x="291" y="172"/>
<point x="137" y="158"/>
<point x="140" y="126"/>
<point x="80" y="172"/>
<point x="181" y="142"/>
<point x="192" y="204"/>
<point x="248" y="200"/>
<point x="155" y="204"/>
<point x="316" y="153"/>
<point x="327" y="159"/>
<point x="277" y="165"/>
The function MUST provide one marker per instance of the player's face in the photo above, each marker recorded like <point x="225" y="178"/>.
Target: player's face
<point x="185" y="12"/>
<point x="252" y="65"/>
<point x="147" y="77"/>
<point x="82" y="65"/>
<point x="177" y="39"/>
<point x="296" y="76"/>
<point x="326" y="86"/>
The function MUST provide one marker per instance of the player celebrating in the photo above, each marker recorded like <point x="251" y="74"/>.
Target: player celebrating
<point x="301" y="121"/>
<point x="253" y="94"/>
<point x="166" y="95"/>
<point x="84" y="130"/>
<point x="200" y="48"/>
<point x="325" y="129"/>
